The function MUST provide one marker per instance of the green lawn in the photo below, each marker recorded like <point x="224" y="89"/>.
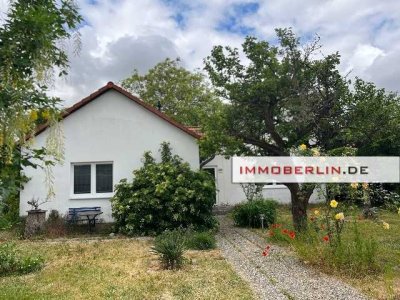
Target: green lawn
<point x="386" y="283"/>
<point x="121" y="269"/>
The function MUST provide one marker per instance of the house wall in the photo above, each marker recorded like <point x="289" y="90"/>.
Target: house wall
<point x="231" y="193"/>
<point x="111" y="128"/>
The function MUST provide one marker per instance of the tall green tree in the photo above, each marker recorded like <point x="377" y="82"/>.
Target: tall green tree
<point x="372" y="120"/>
<point x="183" y="95"/>
<point x="30" y="50"/>
<point x="283" y="96"/>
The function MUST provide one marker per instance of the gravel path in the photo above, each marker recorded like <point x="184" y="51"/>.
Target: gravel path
<point x="280" y="275"/>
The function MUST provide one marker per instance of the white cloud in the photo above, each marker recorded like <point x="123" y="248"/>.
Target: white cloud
<point x="363" y="57"/>
<point x="120" y="35"/>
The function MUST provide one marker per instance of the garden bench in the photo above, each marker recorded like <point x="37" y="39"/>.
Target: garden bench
<point x="88" y="214"/>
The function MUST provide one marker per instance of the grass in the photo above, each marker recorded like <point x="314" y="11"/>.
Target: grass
<point x="121" y="269"/>
<point x="384" y="284"/>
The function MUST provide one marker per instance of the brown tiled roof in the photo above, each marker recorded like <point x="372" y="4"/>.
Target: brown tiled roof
<point x="111" y="86"/>
<point x="196" y="129"/>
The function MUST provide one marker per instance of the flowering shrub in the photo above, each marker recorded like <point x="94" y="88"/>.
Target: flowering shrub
<point x="164" y="195"/>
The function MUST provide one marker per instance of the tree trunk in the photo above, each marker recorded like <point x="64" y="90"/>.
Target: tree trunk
<point x="299" y="211"/>
<point x="300" y="197"/>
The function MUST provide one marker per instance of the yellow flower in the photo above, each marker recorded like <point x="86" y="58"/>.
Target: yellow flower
<point x="386" y="225"/>
<point x="303" y="147"/>
<point x="365" y="186"/>
<point x="339" y="216"/>
<point x="315" y="152"/>
<point x="399" y="211"/>
<point x="46" y="114"/>
<point x="354" y="185"/>
<point x="316" y="212"/>
<point x="334" y="203"/>
<point x="33" y="115"/>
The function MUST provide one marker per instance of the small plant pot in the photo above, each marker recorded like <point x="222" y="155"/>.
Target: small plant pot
<point x="35" y="222"/>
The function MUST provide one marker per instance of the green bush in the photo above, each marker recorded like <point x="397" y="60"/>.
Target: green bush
<point x="164" y="195"/>
<point x="248" y="214"/>
<point x="170" y="246"/>
<point x="11" y="262"/>
<point x="200" y="240"/>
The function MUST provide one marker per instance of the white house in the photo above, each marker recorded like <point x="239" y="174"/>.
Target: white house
<point x="105" y="137"/>
<point x="232" y="193"/>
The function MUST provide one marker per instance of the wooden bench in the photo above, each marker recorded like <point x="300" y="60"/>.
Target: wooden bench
<point x="88" y="214"/>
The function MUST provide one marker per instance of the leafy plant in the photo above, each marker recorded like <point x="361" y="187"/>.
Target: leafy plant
<point x="11" y="262"/>
<point x="249" y="214"/>
<point x="170" y="246"/>
<point x="164" y="195"/>
<point x="200" y="240"/>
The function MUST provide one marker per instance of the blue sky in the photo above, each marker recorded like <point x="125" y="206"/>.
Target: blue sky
<point x="120" y="35"/>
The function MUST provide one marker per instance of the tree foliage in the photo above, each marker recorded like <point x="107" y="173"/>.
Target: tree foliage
<point x="30" y="48"/>
<point x="288" y="94"/>
<point x="372" y="120"/>
<point x="282" y="98"/>
<point x="183" y="95"/>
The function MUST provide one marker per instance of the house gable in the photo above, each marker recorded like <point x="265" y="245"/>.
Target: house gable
<point x="111" y="86"/>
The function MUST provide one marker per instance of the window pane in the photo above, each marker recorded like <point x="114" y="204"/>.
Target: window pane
<point x="82" y="179"/>
<point x="104" y="178"/>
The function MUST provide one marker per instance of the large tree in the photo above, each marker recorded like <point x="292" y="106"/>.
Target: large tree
<point x="282" y="96"/>
<point x="372" y="123"/>
<point x="181" y="94"/>
<point x="184" y="95"/>
<point x="30" y="49"/>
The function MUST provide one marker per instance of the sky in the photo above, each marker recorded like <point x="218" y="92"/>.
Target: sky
<point x="118" y="36"/>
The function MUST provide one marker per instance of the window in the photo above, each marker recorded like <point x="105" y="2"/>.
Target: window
<point x="104" y="178"/>
<point x="82" y="179"/>
<point x="92" y="179"/>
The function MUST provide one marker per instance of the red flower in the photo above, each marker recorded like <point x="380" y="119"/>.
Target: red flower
<point x="326" y="238"/>
<point x="292" y="234"/>
<point x="285" y="231"/>
<point x="270" y="233"/>
<point x="266" y="251"/>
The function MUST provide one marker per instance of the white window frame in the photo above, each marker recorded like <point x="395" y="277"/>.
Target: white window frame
<point x="92" y="194"/>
